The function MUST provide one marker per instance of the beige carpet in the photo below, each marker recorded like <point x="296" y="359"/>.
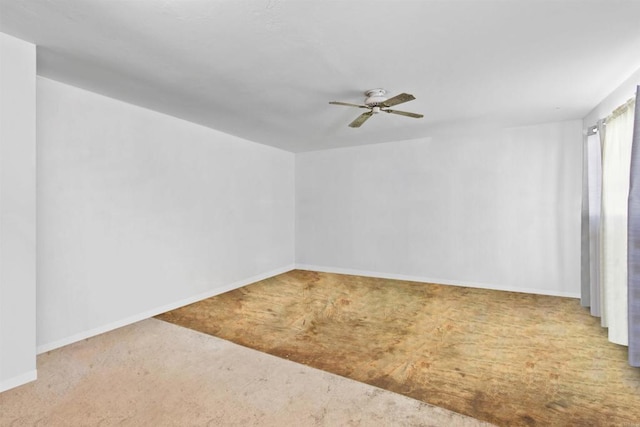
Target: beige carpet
<point x="509" y="358"/>
<point x="154" y="373"/>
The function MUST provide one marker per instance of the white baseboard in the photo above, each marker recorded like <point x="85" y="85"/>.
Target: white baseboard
<point x="380" y="275"/>
<point x="159" y="310"/>
<point x="19" y="380"/>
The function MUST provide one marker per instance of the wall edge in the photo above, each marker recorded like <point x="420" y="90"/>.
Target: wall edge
<point x="421" y="279"/>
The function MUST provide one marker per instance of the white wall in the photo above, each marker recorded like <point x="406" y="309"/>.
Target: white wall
<point x="139" y="212"/>
<point x="17" y="212"/>
<point x="494" y="209"/>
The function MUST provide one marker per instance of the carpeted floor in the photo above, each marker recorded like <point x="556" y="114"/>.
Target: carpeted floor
<point x="153" y="373"/>
<point x="503" y="357"/>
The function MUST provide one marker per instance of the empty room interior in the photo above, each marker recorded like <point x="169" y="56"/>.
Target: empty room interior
<point x="205" y="218"/>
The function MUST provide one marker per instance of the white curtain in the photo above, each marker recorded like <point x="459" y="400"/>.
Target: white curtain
<point x="634" y="243"/>
<point x="616" y="161"/>
<point x="594" y="185"/>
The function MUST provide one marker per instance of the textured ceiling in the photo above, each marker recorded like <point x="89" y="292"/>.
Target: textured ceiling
<point x="266" y="70"/>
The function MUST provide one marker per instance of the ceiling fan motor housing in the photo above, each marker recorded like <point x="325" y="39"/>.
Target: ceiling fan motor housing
<point x="375" y="97"/>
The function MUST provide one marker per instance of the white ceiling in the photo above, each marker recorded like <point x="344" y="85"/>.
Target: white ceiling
<point x="265" y="70"/>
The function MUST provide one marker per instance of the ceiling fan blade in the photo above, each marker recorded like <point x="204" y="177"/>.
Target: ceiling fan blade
<point x="398" y="99"/>
<point x="347" y="104"/>
<point x="361" y="119"/>
<point x="405" y="113"/>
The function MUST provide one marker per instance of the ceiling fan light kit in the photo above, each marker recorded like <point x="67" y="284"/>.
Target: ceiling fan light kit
<point x="376" y="101"/>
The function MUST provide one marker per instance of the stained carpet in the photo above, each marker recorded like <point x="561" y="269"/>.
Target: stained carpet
<point x="155" y="374"/>
<point x="509" y="358"/>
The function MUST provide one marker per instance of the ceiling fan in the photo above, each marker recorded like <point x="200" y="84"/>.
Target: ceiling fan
<point x="377" y="102"/>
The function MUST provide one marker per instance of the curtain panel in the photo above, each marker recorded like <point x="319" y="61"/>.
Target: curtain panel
<point x="585" y="258"/>
<point x="594" y="207"/>
<point x="633" y="243"/>
<point x="616" y="164"/>
<point x="591" y="206"/>
<point x="611" y="225"/>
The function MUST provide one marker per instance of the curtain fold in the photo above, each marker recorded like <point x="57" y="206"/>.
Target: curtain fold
<point x="590" y="295"/>
<point x="594" y="162"/>
<point x="633" y="243"/>
<point x="585" y="258"/>
<point x="616" y="162"/>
